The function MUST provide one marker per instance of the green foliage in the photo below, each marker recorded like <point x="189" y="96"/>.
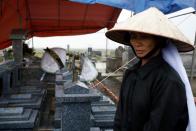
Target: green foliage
<point x="111" y="53"/>
<point x="98" y="58"/>
<point x="27" y="51"/>
<point x="1" y="59"/>
<point x="39" y="53"/>
<point x="9" y="54"/>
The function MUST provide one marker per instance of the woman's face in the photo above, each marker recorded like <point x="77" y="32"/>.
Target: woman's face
<point x="142" y="43"/>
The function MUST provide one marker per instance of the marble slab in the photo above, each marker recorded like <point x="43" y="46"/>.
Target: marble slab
<point x="11" y="111"/>
<point x="103" y="109"/>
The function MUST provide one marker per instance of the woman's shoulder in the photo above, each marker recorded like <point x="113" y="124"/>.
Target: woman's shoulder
<point x="167" y="78"/>
<point x="169" y="73"/>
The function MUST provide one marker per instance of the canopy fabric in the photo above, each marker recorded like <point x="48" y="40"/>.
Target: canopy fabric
<point x="53" y="18"/>
<point x="166" y="6"/>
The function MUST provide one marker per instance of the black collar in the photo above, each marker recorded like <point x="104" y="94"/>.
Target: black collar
<point x="147" y="68"/>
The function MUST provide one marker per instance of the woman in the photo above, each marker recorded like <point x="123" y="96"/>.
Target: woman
<point x="152" y="96"/>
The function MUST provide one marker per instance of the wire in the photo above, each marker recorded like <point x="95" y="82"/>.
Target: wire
<point x="114" y="72"/>
<point x="193" y="12"/>
<point x="183" y="20"/>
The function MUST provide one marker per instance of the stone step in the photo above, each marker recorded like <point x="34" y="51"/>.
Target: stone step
<point x="103" y="115"/>
<point x="26" y="122"/>
<point x="20" y="96"/>
<point x="30" y="101"/>
<point x="34" y="103"/>
<point x="17" y="117"/>
<point x="101" y="103"/>
<point x="103" y="109"/>
<point x="11" y="111"/>
<point x="34" y="90"/>
<point x="103" y="121"/>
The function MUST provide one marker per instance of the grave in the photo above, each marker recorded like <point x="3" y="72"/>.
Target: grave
<point x="103" y="116"/>
<point x="22" y="100"/>
<point x="103" y="112"/>
<point x="62" y="76"/>
<point x="99" y="115"/>
<point x="9" y="74"/>
<point x="5" y="76"/>
<point x="1" y="86"/>
<point x="34" y="90"/>
<point x="18" y="119"/>
<point x="17" y="36"/>
<point x="103" y="109"/>
<point x="74" y="99"/>
<point x="119" y="51"/>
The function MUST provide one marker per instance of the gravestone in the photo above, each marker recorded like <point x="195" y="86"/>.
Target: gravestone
<point x="62" y="76"/>
<point x="104" y="109"/>
<point x="75" y="99"/>
<point x="9" y="74"/>
<point x="113" y="64"/>
<point x="17" y="36"/>
<point x="5" y="78"/>
<point x="22" y="100"/>
<point x="118" y="52"/>
<point x="34" y="90"/>
<point x="18" y="119"/>
<point x="1" y="86"/>
<point x="125" y="58"/>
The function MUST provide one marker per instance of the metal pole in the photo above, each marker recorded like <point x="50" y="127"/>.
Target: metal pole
<point x="193" y="62"/>
<point x="106" y="51"/>
<point x="32" y="43"/>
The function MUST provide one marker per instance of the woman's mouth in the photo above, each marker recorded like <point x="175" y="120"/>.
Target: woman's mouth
<point x="139" y="51"/>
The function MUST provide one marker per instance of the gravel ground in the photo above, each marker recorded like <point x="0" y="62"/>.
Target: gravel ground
<point x="113" y="84"/>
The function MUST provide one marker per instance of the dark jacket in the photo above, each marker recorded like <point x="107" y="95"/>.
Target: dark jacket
<point x="152" y="98"/>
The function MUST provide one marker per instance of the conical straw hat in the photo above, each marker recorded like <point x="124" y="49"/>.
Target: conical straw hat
<point x="153" y="22"/>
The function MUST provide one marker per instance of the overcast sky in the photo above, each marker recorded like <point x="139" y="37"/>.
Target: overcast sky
<point x="186" y="24"/>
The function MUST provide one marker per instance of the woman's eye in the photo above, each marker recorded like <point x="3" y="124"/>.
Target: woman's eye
<point x="134" y="37"/>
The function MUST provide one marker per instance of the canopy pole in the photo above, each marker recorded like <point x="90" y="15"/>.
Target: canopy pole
<point x="32" y="44"/>
<point x="193" y="61"/>
<point x="106" y="51"/>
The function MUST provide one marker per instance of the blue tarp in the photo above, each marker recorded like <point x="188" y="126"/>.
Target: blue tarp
<point x="166" y="6"/>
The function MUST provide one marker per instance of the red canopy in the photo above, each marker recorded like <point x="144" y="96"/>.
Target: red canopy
<point x="53" y="18"/>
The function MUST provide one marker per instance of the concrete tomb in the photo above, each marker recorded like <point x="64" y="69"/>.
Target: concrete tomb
<point x="18" y="119"/>
<point x="75" y="99"/>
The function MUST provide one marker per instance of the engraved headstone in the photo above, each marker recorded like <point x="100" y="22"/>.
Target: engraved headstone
<point x="75" y="99"/>
<point x="119" y="51"/>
